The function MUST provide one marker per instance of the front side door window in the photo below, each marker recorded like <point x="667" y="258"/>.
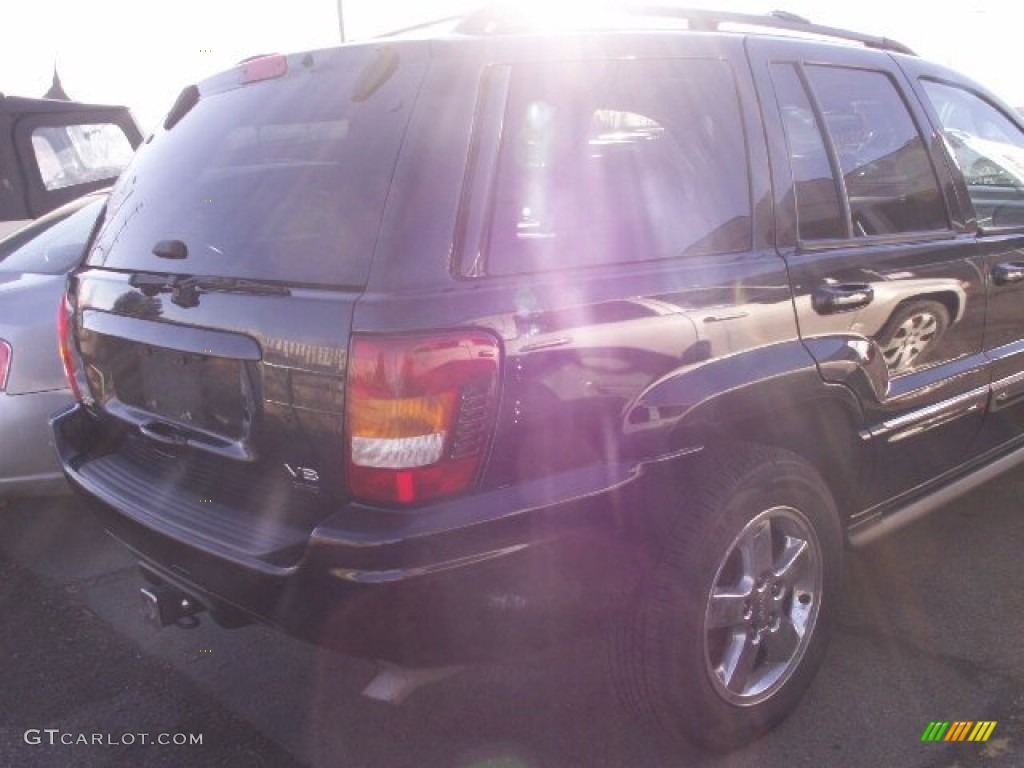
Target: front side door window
<point x="988" y="148"/>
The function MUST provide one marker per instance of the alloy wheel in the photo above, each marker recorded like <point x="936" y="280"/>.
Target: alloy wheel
<point x="763" y="605"/>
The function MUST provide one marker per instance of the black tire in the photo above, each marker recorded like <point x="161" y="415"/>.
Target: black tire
<point x="911" y="333"/>
<point x="670" y="664"/>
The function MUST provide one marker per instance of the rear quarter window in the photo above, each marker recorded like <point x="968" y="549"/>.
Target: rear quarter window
<point x="617" y="162"/>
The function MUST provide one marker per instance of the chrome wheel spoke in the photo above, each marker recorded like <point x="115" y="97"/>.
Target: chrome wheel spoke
<point x="928" y="328"/>
<point x="756" y="550"/>
<point x="900" y="355"/>
<point x="727" y="608"/>
<point x="782" y="643"/>
<point x="738" y="664"/>
<point x="794" y="560"/>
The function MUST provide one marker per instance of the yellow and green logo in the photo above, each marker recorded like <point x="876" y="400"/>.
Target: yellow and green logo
<point x="959" y="730"/>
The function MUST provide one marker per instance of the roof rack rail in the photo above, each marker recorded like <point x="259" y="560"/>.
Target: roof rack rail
<point x="423" y="25"/>
<point x="497" y="19"/>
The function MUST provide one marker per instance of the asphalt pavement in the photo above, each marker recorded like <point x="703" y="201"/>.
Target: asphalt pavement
<point x="932" y="629"/>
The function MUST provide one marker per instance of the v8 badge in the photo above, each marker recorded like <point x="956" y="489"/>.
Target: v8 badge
<point x="303" y="474"/>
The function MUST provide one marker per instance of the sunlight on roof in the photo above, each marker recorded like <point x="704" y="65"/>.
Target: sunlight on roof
<point x="106" y="53"/>
<point x="546" y="16"/>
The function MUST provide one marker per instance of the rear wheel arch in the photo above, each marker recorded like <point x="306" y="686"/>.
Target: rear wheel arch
<point x="950" y="300"/>
<point x="823" y="431"/>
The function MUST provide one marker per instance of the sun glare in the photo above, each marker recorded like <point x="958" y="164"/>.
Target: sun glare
<point x="189" y="39"/>
<point x="558" y="15"/>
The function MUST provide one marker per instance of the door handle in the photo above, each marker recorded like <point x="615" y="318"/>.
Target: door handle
<point x="841" y="297"/>
<point x="725" y="317"/>
<point x="561" y="341"/>
<point x="1010" y="272"/>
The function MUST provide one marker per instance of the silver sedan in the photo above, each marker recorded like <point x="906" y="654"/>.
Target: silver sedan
<point x="34" y="262"/>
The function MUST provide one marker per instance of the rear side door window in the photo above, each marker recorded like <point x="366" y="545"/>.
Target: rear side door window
<point x="618" y="162"/>
<point x="820" y="210"/>
<point x="860" y="164"/>
<point x="988" y="147"/>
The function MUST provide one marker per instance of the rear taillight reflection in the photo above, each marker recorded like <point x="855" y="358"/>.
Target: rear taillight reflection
<point x="67" y="357"/>
<point x="419" y="414"/>
<point x="5" y="363"/>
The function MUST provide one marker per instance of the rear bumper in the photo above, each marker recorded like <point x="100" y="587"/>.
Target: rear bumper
<point x="471" y="578"/>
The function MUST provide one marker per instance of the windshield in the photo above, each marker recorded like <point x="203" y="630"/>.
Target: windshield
<point x="283" y="179"/>
<point x="54" y="244"/>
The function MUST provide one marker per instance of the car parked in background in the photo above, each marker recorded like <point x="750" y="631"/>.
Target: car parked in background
<point x="34" y="262"/>
<point x="53" y="151"/>
<point x="486" y="335"/>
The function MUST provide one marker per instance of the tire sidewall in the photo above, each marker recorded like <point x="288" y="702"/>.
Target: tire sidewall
<point x="683" y="584"/>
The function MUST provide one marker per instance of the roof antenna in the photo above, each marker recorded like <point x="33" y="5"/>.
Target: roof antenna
<point x="56" y="89"/>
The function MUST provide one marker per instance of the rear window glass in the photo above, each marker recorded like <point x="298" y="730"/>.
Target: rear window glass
<point x="283" y="179"/>
<point x="617" y="162"/>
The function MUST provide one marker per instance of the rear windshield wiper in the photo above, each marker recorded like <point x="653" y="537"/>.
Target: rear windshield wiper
<point x="186" y="289"/>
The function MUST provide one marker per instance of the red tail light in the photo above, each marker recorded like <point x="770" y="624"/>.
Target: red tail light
<point x="67" y="357"/>
<point x="5" y="363"/>
<point x="420" y="411"/>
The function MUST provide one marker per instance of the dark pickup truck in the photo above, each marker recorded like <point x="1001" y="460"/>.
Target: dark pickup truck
<point x="483" y="335"/>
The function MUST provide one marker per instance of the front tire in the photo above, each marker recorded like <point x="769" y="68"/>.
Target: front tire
<point x="734" y="622"/>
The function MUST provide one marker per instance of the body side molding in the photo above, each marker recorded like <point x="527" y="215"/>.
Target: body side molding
<point x="880" y="524"/>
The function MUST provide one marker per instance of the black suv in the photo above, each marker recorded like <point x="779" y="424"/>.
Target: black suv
<point x="478" y="337"/>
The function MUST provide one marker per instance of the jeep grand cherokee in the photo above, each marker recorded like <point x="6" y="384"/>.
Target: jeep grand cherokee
<point x="477" y="337"/>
